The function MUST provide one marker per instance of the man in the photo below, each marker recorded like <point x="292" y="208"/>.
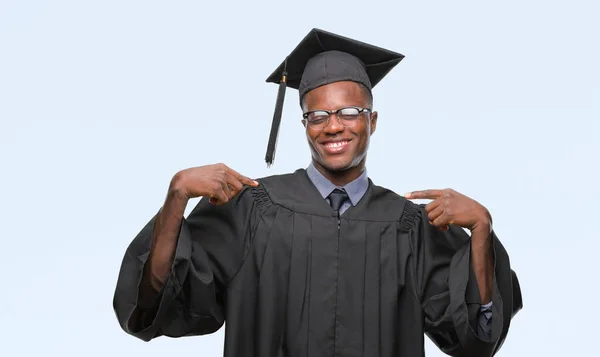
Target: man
<point x="320" y="262"/>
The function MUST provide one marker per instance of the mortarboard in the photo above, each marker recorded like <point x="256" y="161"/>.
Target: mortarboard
<point x="321" y="58"/>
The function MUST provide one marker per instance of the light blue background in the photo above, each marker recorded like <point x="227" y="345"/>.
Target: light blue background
<point x="101" y="102"/>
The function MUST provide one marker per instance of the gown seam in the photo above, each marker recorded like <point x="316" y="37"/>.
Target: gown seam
<point x="337" y="290"/>
<point x="309" y="286"/>
<point x="283" y="337"/>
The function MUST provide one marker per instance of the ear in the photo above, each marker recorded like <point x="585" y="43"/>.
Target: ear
<point x="303" y="123"/>
<point x="373" y="122"/>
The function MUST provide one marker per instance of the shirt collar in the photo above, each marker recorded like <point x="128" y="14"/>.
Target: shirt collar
<point x="355" y="189"/>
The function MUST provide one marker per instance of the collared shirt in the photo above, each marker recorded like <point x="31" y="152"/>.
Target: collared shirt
<point x="355" y="189"/>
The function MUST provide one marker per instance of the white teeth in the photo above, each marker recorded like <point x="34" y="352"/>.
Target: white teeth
<point x="338" y="144"/>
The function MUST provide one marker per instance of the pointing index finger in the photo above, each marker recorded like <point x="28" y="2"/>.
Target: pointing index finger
<point x="243" y="179"/>
<point x="424" y="194"/>
<point x="247" y="181"/>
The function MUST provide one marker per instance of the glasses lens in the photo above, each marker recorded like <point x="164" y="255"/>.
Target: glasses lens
<point x="317" y="119"/>
<point x="349" y="116"/>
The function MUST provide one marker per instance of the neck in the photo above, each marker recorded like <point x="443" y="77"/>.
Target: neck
<point x="341" y="177"/>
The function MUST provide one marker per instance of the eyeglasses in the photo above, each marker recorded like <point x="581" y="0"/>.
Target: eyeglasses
<point x="347" y="116"/>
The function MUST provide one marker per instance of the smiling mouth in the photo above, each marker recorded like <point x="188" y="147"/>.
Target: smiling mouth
<point x="335" y="146"/>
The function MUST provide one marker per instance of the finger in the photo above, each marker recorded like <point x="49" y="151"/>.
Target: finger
<point x="247" y="181"/>
<point x="432" y="205"/>
<point x="222" y="199"/>
<point x="435" y="213"/>
<point x="218" y="197"/>
<point x="226" y="189"/>
<point x="440" y="220"/>
<point x="424" y="194"/>
<point x="243" y="179"/>
<point x="234" y="184"/>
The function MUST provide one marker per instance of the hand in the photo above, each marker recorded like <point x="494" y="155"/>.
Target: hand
<point x="450" y="207"/>
<point x="218" y="181"/>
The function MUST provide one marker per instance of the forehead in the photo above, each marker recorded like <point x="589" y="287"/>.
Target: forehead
<point x="335" y="95"/>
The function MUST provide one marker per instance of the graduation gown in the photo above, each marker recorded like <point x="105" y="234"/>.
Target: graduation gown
<point x="291" y="278"/>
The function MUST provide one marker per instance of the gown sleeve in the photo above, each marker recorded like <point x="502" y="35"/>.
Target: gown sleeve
<point x="448" y="291"/>
<point x="212" y="244"/>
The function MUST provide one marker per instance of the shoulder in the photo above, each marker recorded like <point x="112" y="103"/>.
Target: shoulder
<point x="293" y="191"/>
<point x="274" y="186"/>
<point x="250" y="200"/>
<point x="271" y="191"/>
<point x="388" y="202"/>
<point x="256" y="200"/>
<point x="277" y="187"/>
<point x="279" y="181"/>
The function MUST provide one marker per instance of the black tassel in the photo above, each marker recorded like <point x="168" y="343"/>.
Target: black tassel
<point x="270" y="157"/>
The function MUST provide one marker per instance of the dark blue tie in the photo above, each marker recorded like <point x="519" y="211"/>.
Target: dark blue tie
<point x="337" y="199"/>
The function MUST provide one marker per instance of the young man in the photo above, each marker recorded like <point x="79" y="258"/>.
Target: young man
<point x="320" y="262"/>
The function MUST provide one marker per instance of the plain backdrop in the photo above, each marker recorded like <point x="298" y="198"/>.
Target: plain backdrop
<point x="101" y="102"/>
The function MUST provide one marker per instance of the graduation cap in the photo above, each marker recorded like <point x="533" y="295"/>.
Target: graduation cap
<point x="322" y="58"/>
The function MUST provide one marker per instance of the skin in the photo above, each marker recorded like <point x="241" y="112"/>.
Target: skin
<point x="448" y="206"/>
<point x="221" y="183"/>
<point x="343" y="168"/>
<point x="451" y="207"/>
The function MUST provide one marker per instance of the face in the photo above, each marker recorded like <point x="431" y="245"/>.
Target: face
<point x="337" y="147"/>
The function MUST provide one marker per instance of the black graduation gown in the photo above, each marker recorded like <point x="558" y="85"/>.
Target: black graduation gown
<point x="274" y="264"/>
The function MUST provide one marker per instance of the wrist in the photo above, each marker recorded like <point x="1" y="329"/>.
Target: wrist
<point x="177" y="187"/>
<point x="483" y="223"/>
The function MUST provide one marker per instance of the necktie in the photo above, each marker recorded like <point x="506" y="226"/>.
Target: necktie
<point x="337" y="198"/>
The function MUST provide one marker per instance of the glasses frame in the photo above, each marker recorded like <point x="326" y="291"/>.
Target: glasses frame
<point x="361" y="110"/>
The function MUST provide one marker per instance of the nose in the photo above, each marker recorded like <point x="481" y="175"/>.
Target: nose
<point x="334" y="126"/>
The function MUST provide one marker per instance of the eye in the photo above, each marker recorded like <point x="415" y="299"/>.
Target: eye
<point x="348" y="113"/>
<point x="318" y="116"/>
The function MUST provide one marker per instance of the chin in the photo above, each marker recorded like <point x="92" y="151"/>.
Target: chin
<point x="341" y="164"/>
